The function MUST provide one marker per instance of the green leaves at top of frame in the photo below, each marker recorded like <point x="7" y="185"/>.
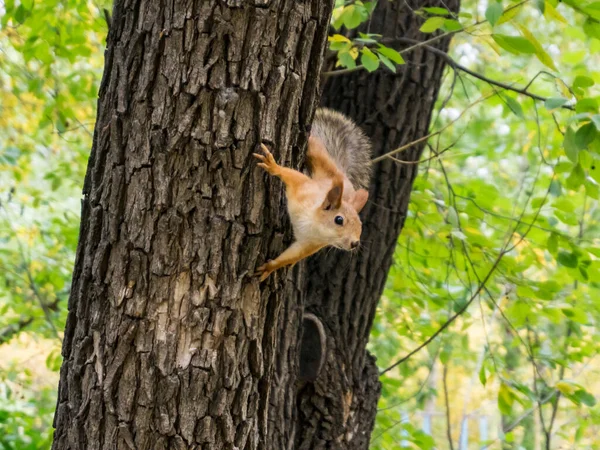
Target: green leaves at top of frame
<point x="494" y="12"/>
<point x="389" y="56"/>
<point x="351" y="16"/>
<point x="369" y="59"/>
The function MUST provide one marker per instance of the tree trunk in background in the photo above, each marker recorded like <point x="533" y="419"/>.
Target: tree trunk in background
<point x="170" y="342"/>
<point x="338" y="410"/>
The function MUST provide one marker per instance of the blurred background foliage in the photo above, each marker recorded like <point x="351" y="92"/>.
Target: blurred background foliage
<point x="486" y="335"/>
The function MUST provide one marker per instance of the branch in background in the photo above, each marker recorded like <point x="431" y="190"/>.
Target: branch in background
<point x="417" y="44"/>
<point x="448" y="422"/>
<point x="548" y="431"/>
<point x="435" y="133"/>
<point x="45" y="307"/>
<point x="456" y="66"/>
<point x="8" y="332"/>
<point x="531" y="410"/>
<point x="454" y="317"/>
<point x="481" y="286"/>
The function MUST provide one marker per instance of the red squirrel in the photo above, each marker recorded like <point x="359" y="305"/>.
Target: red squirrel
<point x="324" y="206"/>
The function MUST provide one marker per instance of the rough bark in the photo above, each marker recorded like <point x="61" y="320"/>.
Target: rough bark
<point x="170" y="341"/>
<point x="338" y="410"/>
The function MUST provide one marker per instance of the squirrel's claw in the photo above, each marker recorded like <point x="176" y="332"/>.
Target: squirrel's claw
<point x="264" y="271"/>
<point x="267" y="161"/>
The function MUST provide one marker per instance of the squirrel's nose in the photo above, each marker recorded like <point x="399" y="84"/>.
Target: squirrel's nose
<point x="354" y="244"/>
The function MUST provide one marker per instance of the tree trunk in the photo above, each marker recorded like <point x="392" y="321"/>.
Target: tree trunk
<point x="338" y="410"/>
<point x="170" y="341"/>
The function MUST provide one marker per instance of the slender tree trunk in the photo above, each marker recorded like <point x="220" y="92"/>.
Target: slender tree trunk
<point x="338" y="410"/>
<point x="170" y="341"/>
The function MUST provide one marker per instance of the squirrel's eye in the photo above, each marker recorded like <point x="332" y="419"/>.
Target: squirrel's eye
<point x="339" y="220"/>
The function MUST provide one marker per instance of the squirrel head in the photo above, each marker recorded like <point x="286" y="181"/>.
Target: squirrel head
<point x="338" y="220"/>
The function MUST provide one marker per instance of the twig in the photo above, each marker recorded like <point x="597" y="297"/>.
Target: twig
<point x="448" y="422"/>
<point x="425" y="138"/>
<point x="456" y="66"/>
<point x="8" y="332"/>
<point x="452" y="318"/>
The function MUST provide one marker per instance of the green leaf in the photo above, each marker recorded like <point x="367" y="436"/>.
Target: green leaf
<point x="508" y="15"/>
<point x="437" y="11"/>
<point x="587" y="105"/>
<point x="390" y="53"/>
<point x="576" y="178"/>
<point x="340" y="46"/>
<point x="581" y="81"/>
<point x="369" y="60"/>
<point x="432" y="24"/>
<point x="505" y="399"/>
<point x="352" y="16"/>
<point x="596" y="121"/>
<point x="452" y="217"/>
<point x="585" y="159"/>
<point x="555" y="188"/>
<point x="552" y="243"/>
<point x="514" y="44"/>
<point x="540" y="5"/>
<point x="585" y="397"/>
<point x="346" y="60"/>
<point x="592" y="28"/>
<point x="482" y="375"/>
<point x="539" y="50"/>
<point x="563" y="167"/>
<point x="514" y="106"/>
<point x="452" y="25"/>
<point x="390" y="65"/>
<point x="21" y="14"/>
<point x="555" y="102"/>
<point x="571" y="148"/>
<point x="493" y="12"/>
<point x="585" y="135"/>
<point x="567" y="259"/>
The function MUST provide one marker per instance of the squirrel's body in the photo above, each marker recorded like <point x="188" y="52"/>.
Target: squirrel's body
<point x="324" y="206"/>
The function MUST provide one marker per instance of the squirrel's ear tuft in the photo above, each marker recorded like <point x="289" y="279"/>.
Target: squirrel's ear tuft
<point x="334" y="196"/>
<point x="360" y="200"/>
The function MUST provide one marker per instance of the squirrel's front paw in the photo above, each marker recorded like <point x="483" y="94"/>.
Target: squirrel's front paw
<point x="265" y="270"/>
<point x="267" y="161"/>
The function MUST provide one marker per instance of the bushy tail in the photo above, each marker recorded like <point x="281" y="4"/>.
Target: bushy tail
<point x="346" y="143"/>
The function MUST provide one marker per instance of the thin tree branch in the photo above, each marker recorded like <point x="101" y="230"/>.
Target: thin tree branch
<point x="425" y="138"/>
<point x="456" y="66"/>
<point x="9" y="331"/>
<point x="452" y="318"/>
<point x="448" y="422"/>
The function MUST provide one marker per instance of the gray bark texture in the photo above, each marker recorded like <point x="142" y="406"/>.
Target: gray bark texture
<point x="170" y="341"/>
<point x="342" y="290"/>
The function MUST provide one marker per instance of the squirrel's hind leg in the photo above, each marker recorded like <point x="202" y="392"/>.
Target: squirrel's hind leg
<point x="321" y="164"/>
